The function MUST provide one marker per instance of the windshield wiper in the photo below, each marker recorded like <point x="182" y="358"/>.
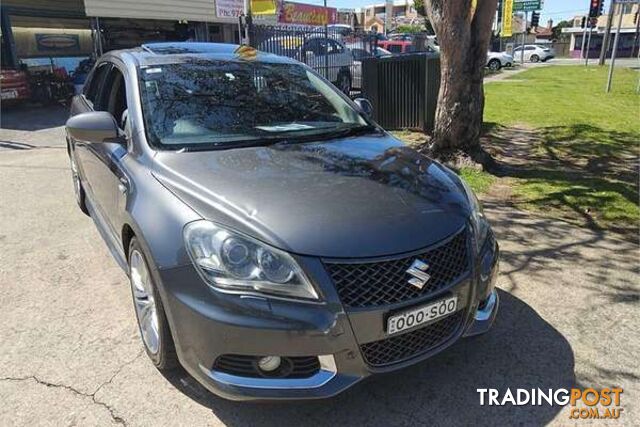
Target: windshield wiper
<point x="284" y="139"/>
<point x="328" y="134"/>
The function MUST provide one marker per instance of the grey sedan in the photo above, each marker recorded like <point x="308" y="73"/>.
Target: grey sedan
<point x="279" y="244"/>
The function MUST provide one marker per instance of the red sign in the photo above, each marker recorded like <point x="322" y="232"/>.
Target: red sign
<point x="306" y="14"/>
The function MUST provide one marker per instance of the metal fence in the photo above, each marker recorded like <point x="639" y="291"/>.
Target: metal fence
<point x="333" y="52"/>
<point x="403" y="90"/>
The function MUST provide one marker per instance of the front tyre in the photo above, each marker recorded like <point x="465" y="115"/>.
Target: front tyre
<point x="152" y="320"/>
<point x="494" y="65"/>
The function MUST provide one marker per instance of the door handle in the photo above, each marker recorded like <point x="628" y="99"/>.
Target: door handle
<point x="123" y="186"/>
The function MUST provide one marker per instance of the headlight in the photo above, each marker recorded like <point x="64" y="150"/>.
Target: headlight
<point x="478" y="220"/>
<point x="231" y="262"/>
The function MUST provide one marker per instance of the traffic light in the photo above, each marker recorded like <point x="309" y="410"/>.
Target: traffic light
<point x="595" y="8"/>
<point x="583" y="22"/>
<point x="535" y="19"/>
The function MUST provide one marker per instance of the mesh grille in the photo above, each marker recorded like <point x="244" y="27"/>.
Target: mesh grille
<point x="410" y="344"/>
<point x="246" y="366"/>
<point x="385" y="282"/>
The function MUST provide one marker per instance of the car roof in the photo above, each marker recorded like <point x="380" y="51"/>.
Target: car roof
<point x="180" y="52"/>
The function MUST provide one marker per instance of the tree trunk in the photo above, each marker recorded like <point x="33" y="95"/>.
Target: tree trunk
<point x="463" y="35"/>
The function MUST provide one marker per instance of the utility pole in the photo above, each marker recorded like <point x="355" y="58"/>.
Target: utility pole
<point x="586" y="57"/>
<point x="615" y="49"/>
<point x="524" y="36"/>
<point x="584" y="37"/>
<point x="607" y="34"/>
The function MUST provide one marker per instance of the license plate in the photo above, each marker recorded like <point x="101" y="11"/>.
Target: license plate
<point x="421" y="315"/>
<point x="8" y="94"/>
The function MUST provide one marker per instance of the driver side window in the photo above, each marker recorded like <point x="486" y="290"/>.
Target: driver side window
<point x="113" y="97"/>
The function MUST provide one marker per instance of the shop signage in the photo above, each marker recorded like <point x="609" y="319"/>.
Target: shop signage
<point x="229" y="8"/>
<point x="57" y="42"/>
<point x="306" y="14"/>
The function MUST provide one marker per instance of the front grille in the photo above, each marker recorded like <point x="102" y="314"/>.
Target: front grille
<point x="386" y="282"/>
<point x="247" y="366"/>
<point x="402" y="347"/>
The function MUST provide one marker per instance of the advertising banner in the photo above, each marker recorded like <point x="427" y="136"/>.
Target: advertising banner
<point x="263" y="7"/>
<point x="507" y="18"/>
<point x="306" y="14"/>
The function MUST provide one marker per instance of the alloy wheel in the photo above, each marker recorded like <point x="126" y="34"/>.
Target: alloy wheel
<point x="145" y="305"/>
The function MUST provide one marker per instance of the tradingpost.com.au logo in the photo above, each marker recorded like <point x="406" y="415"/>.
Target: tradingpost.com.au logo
<point x="594" y="403"/>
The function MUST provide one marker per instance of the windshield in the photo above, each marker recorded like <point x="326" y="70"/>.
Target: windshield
<point x="227" y="103"/>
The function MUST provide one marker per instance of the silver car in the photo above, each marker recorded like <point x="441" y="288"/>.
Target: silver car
<point x="278" y="243"/>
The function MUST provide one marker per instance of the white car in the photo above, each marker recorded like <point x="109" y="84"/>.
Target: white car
<point x="497" y="60"/>
<point x="318" y="52"/>
<point x="533" y="53"/>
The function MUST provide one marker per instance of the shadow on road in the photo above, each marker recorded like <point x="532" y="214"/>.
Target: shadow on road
<point x="30" y="117"/>
<point x="521" y="351"/>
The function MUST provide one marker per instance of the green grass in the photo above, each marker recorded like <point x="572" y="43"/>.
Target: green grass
<point x="478" y="180"/>
<point x="565" y="95"/>
<point x="583" y="160"/>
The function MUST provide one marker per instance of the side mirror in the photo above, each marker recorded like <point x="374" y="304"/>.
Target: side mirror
<point x="365" y="106"/>
<point x="94" y="126"/>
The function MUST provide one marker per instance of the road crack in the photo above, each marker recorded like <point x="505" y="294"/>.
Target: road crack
<point x="116" y="418"/>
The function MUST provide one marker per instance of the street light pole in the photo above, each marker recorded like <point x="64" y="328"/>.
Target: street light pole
<point x="615" y="50"/>
<point x="524" y="35"/>
<point x="326" y="36"/>
<point x="607" y="34"/>
<point x="586" y="57"/>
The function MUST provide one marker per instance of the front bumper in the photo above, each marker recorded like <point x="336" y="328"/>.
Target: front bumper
<point x="206" y="325"/>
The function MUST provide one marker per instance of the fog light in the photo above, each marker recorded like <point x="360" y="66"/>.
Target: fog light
<point x="269" y="363"/>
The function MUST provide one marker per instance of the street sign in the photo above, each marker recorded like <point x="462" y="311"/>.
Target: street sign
<point x="527" y="5"/>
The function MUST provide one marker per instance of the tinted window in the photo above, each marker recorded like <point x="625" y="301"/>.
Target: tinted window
<point x="334" y="47"/>
<point x="316" y="46"/>
<point x="97" y="77"/>
<point x="360" y="54"/>
<point x="114" y="96"/>
<point x="226" y="102"/>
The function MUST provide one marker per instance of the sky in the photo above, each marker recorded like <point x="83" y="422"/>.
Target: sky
<point x="552" y="9"/>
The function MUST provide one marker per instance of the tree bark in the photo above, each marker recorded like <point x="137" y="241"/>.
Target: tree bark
<point x="463" y="35"/>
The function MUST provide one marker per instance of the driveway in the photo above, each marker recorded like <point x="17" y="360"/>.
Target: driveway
<point x="71" y="353"/>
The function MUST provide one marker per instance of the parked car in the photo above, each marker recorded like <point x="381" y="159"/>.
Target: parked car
<point x="14" y="85"/>
<point x="279" y="244"/>
<point x="396" y="46"/>
<point x="497" y="60"/>
<point x="317" y="52"/>
<point x="534" y="53"/>
<point x="401" y="36"/>
<point x="359" y="54"/>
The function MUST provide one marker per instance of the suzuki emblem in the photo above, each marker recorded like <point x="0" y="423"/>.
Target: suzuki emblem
<point x="418" y="270"/>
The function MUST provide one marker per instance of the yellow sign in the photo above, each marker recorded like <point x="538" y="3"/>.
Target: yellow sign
<point x="263" y="7"/>
<point x="507" y="18"/>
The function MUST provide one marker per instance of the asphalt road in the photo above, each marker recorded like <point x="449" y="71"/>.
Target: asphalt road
<point x="71" y="354"/>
